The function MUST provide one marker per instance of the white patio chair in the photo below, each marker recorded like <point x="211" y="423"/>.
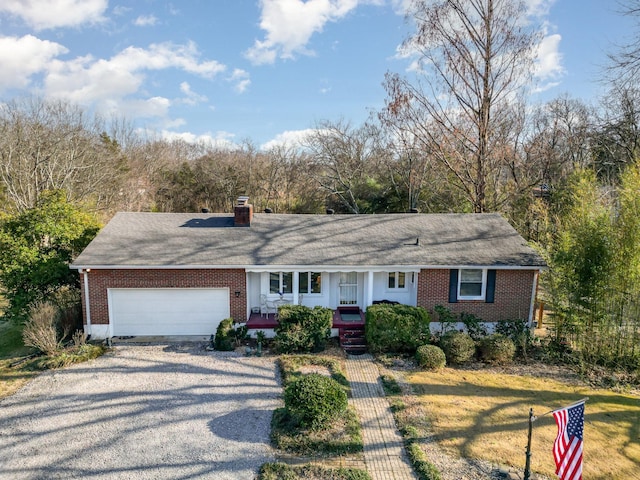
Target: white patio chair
<point x="266" y="306"/>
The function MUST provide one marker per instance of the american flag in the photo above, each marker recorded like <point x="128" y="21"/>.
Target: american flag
<point x="567" y="449"/>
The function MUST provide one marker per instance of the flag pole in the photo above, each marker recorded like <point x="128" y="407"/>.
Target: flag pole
<point x="527" y="465"/>
<point x="532" y="418"/>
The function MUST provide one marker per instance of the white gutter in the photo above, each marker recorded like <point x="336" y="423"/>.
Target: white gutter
<point x="87" y="304"/>
<point x="307" y="268"/>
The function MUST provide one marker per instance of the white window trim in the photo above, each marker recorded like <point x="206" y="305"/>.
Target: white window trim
<point x="300" y="292"/>
<point x="396" y="288"/>
<point x="280" y="287"/>
<point x="483" y="293"/>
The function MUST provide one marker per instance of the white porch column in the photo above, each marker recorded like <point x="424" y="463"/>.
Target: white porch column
<point x="369" y="296"/>
<point x="296" y="285"/>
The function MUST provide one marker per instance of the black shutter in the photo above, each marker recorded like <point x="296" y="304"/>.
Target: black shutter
<point x="453" y="285"/>
<point x="491" y="286"/>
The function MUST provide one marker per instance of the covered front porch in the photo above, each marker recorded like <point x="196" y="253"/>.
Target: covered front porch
<point x="348" y="325"/>
<point x="337" y="289"/>
<point x="343" y="317"/>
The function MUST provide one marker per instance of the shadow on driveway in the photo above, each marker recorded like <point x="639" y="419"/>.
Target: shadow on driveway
<point x="142" y="412"/>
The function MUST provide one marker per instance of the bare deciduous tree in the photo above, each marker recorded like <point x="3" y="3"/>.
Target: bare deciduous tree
<point x="475" y="56"/>
<point x="626" y="57"/>
<point x="49" y="145"/>
<point x="346" y="162"/>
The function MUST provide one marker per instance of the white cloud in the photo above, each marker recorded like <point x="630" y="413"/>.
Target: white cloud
<point x="548" y="67"/>
<point x="86" y="79"/>
<point x="240" y="79"/>
<point x="289" y="25"/>
<point x="146" y="21"/>
<point x="191" y="97"/>
<point x="43" y="14"/>
<point x="289" y="138"/>
<point x="538" y="8"/>
<point x="154" y="107"/>
<point x="219" y="139"/>
<point x="120" y="10"/>
<point x="20" y="58"/>
<point x="117" y="85"/>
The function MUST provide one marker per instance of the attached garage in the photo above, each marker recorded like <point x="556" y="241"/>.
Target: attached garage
<point x="167" y="311"/>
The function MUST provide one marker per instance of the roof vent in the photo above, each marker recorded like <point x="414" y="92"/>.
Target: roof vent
<point x="330" y="211"/>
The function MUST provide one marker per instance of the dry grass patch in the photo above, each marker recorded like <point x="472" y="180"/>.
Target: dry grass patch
<point x="12" y="350"/>
<point x="484" y="415"/>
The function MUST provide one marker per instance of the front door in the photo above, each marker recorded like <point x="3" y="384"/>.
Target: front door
<point x="348" y="288"/>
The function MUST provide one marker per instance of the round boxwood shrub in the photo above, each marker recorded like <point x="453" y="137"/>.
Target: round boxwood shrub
<point x="497" y="348"/>
<point x="315" y="400"/>
<point x="430" y="357"/>
<point x="458" y="347"/>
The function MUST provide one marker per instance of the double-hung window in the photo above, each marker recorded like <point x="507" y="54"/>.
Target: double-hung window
<point x="309" y="283"/>
<point x="397" y="281"/>
<point x="281" y="282"/>
<point x="472" y="283"/>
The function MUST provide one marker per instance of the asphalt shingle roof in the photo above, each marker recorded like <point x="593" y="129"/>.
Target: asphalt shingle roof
<point x="182" y="239"/>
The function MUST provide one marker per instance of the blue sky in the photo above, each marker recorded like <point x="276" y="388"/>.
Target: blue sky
<point x="265" y="71"/>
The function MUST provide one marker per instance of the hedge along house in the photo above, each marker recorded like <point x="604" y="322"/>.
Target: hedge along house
<point x="175" y="274"/>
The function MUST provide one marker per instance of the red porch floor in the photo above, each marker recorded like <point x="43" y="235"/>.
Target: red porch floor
<point x="257" y="320"/>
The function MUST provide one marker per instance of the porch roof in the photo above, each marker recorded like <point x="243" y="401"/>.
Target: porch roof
<point x="175" y="240"/>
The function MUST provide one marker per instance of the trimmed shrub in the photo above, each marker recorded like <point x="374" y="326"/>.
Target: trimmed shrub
<point x="497" y="349"/>
<point x="225" y="336"/>
<point x="458" y="347"/>
<point x="302" y="329"/>
<point x="430" y="357"/>
<point x="396" y="328"/>
<point x="40" y="330"/>
<point x="315" y="400"/>
<point x="518" y="331"/>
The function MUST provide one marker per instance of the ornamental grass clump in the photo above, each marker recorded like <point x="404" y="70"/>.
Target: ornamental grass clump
<point x="315" y="400"/>
<point x="430" y="357"/>
<point x="40" y="330"/>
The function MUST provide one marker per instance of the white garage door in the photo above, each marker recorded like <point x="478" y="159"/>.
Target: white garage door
<point x="167" y="311"/>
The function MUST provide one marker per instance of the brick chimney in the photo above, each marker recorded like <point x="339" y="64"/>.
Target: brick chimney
<point x="243" y="212"/>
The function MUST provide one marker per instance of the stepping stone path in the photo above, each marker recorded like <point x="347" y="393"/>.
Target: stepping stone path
<point x="384" y="453"/>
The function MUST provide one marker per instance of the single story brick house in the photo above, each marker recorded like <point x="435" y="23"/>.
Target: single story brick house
<point x="180" y="274"/>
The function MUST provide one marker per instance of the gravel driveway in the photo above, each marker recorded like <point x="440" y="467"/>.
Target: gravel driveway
<point x="143" y="412"/>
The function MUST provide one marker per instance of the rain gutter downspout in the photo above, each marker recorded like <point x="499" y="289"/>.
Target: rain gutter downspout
<point x="87" y="305"/>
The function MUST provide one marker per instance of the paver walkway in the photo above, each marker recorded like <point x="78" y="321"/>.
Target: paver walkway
<point x="384" y="453"/>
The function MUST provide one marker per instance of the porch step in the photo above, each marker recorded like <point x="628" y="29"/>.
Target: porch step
<point x="352" y="340"/>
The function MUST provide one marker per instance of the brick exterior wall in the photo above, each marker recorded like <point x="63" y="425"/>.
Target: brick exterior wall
<point x="101" y="280"/>
<point x="512" y="295"/>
